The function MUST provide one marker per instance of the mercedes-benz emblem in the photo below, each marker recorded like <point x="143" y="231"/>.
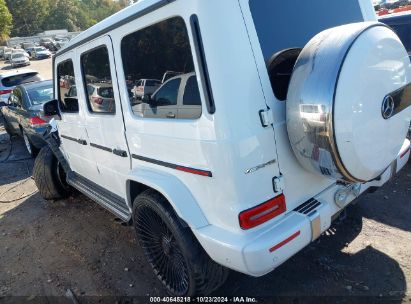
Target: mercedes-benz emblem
<point x="388" y="107"/>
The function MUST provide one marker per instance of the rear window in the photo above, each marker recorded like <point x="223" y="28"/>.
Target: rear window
<point x="106" y="92"/>
<point x="279" y="23"/>
<point x="16" y="80"/>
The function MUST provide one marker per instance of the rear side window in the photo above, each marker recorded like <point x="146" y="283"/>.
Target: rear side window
<point x="16" y="80"/>
<point x="98" y="83"/>
<point x="161" y="55"/>
<point x="65" y="74"/>
<point x="192" y="94"/>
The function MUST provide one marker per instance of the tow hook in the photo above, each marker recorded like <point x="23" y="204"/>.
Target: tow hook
<point x="342" y="195"/>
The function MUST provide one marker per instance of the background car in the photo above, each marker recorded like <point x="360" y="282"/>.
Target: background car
<point x="8" y="81"/>
<point x="7" y="54"/>
<point x="22" y="115"/>
<point x="19" y="59"/>
<point x="101" y="97"/>
<point x="41" y="53"/>
<point x="30" y="50"/>
<point x="178" y="97"/>
<point x="145" y="86"/>
<point x="16" y="51"/>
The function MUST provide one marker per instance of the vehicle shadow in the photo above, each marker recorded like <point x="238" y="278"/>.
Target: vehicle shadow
<point x="391" y="205"/>
<point x="16" y="163"/>
<point x="324" y="271"/>
<point x="7" y="67"/>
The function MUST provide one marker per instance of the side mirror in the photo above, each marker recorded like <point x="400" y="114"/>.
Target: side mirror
<point x="66" y="95"/>
<point x="51" y="108"/>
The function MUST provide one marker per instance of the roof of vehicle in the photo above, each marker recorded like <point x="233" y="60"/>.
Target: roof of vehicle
<point x="31" y="85"/>
<point x="398" y="17"/>
<point x="18" y="72"/>
<point x="100" y="85"/>
<point x="130" y="13"/>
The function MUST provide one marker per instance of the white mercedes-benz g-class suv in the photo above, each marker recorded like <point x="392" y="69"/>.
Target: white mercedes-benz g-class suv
<point x="279" y="115"/>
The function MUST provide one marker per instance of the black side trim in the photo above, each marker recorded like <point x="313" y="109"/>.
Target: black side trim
<point x="174" y="166"/>
<point x="204" y="75"/>
<point x="79" y="141"/>
<point x="101" y="147"/>
<point x="132" y="17"/>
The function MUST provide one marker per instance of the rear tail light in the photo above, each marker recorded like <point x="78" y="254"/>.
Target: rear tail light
<point x="37" y="122"/>
<point x="97" y="100"/>
<point x="4" y="92"/>
<point x="262" y="213"/>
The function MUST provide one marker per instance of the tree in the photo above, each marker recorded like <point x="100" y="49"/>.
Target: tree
<point x="6" y="21"/>
<point x="28" y="15"/>
<point x="63" y="14"/>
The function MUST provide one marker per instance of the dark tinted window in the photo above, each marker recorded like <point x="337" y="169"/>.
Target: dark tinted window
<point x="13" y="81"/>
<point x="66" y="77"/>
<point x="192" y="94"/>
<point x="152" y="83"/>
<point x="279" y="23"/>
<point x="161" y="51"/>
<point x="105" y="92"/>
<point x="402" y="27"/>
<point x="97" y="75"/>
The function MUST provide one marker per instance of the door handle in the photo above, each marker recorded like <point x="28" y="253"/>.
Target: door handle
<point x="171" y="115"/>
<point x="120" y="153"/>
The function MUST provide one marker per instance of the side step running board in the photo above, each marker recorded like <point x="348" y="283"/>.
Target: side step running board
<point x="105" y="198"/>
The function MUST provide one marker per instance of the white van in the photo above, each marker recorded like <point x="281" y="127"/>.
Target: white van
<point x="219" y="169"/>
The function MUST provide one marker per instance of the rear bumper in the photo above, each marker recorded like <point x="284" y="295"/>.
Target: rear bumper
<point x="258" y="252"/>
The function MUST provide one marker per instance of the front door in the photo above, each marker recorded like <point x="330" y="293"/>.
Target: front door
<point x="103" y="115"/>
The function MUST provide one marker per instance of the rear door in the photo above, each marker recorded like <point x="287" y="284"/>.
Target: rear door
<point x="104" y="123"/>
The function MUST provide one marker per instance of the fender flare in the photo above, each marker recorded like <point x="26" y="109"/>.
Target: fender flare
<point x="178" y="195"/>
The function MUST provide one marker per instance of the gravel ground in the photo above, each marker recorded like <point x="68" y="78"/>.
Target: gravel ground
<point x="49" y="247"/>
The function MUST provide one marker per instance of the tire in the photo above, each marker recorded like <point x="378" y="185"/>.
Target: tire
<point x="177" y="258"/>
<point x="31" y="149"/>
<point x="49" y="176"/>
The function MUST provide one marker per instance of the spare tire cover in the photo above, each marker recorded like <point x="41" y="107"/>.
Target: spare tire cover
<point x="348" y="102"/>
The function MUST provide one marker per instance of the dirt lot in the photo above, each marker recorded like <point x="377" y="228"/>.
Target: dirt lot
<point x="49" y="247"/>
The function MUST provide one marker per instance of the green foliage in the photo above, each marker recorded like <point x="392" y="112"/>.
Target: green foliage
<point x="34" y="16"/>
<point x="6" y="21"/>
<point x="28" y="15"/>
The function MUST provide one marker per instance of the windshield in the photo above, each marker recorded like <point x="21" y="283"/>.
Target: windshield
<point x="41" y="94"/>
<point x="19" y="55"/>
<point x="279" y="24"/>
<point x="39" y="49"/>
